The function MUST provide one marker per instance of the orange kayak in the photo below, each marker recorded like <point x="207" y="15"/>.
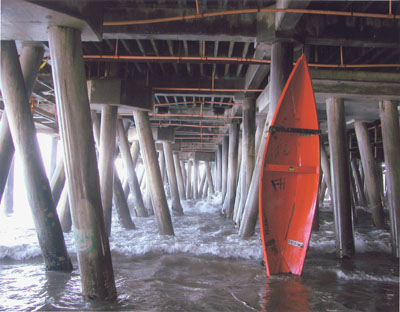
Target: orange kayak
<point x="290" y="176"/>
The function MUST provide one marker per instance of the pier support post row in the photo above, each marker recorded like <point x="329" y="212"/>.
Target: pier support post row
<point x="107" y="159"/>
<point x="173" y="184"/>
<point x="209" y="177"/>
<point x="29" y="61"/>
<point x="340" y="178"/>
<point x="179" y="177"/>
<point x="281" y="66"/>
<point x="232" y="169"/>
<point x="93" y="250"/>
<point x="149" y="155"/>
<point x="391" y="148"/>
<point x="23" y="132"/>
<point x="130" y="171"/>
<point x="371" y="175"/>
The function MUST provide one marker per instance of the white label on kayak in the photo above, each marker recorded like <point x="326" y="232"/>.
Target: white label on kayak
<point x="295" y="243"/>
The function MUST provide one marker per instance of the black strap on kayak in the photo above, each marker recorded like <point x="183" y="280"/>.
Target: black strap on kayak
<point x="302" y="131"/>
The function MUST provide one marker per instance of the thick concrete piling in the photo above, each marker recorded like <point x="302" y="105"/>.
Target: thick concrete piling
<point x="173" y="184"/>
<point x="121" y="204"/>
<point x="232" y="169"/>
<point x="148" y="151"/>
<point x="179" y="177"/>
<point x="91" y="239"/>
<point x="23" y="132"/>
<point x="107" y="159"/>
<point x="130" y="171"/>
<point x="340" y="178"/>
<point x="391" y="146"/>
<point x="371" y="177"/>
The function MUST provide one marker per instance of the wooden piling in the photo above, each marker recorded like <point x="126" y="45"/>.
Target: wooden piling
<point x="149" y="156"/>
<point x="225" y="149"/>
<point x="326" y="169"/>
<point x="30" y="59"/>
<point x="130" y="171"/>
<point x="219" y="169"/>
<point x="8" y="198"/>
<point x="202" y="181"/>
<point x="64" y="212"/>
<point x="281" y="66"/>
<point x="371" y="177"/>
<point x="232" y="168"/>
<point x="107" y="159"/>
<point x="209" y="177"/>
<point x="82" y="176"/>
<point x="189" y="193"/>
<point x="173" y="184"/>
<point x="58" y="181"/>
<point x="357" y="179"/>
<point x="53" y="156"/>
<point x="121" y="204"/>
<point x="23" y="132"/>
<point x="391" y="146"/>
<point x="179" y="177"/>
<point x="195" y="181"/>
<point x="340" y="178"/>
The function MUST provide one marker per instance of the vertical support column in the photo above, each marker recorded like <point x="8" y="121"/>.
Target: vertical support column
<point x="147" y="197"/>
<point x="184" y="176"/>
<point x="281" y="66"/>
<point x="179" y="177"/>
<point x="173" y="184"/>
<point x="248" y="148"/>
<point x="189" y="180"/>
<point x="121" y="204"/>
<point x="8" y="198"/>
<point x="107" y="159"/>
<point x="209" y="177"/>
<point x="357" y="179"/>
<point x="224" y="181"/>
<point x="148" y="151"/>
<point x="326" y="170"/>
<point x="23" y="132"/>
<point x="232" y="168"/>
<point x="371" y="176"/>
<point x="201" y="187"/>
<point x="64" y="212"/>
<point x="82" y="175"/>
<point x="260" y="122"/>
<point x="130" y="171"/>
<point x="30" y="61"/>
<point x="161" y="160"/>
<point x="58" y="181"/>
<point x="391" y="147"/>
<point x="53" y="158"/>
<point x="340" y="178"/>
<point x="195" y="179"/>
<point x="219" y="169"/>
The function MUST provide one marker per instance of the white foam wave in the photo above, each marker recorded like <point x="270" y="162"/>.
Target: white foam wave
<point x="361" y="276"/>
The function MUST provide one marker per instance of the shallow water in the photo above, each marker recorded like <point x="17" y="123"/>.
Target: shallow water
<point x="205" y="267"/>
